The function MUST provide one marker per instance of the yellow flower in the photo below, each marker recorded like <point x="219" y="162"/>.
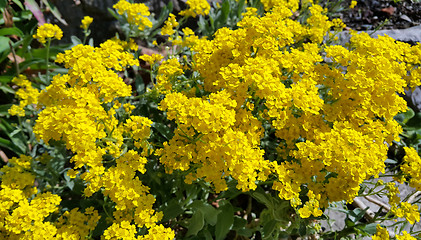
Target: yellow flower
<point x="196" y="7"/>
<point x="405" y="236"/>
<point x="136" y="13"/>
<point x="48" y="31"/>
<point x="86" y="21"/>
<point x="353" y="4"/>
<point x="169" y="25"/>
<point x="381" y="233"/>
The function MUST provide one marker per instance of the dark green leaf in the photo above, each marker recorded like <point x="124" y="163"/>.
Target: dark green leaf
<point x="225" y="221"/>
<point x="268" y="228"/>
<point x="6" y="79"/>
<point x="4" y="109"/>
<point x="196" y="223"/>
<point x="415" y="121"/>
<point x="11" y="31"/>
<point x="303" y="229"/>
<point x="209" y="212"/>
<point x="164" y="130"/>
<point x="263" y="198"/>
<point x="239" y="223"/>
<point x="172" y="210"/>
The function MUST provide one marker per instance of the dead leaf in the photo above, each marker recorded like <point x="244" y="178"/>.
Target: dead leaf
<point x="389" y="10"/>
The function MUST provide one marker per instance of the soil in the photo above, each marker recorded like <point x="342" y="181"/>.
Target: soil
<point x="382" y="14"/>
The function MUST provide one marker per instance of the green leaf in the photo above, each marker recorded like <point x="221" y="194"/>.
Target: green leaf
<point x="4" y="109"/>
<point x="172" y="210"/>
<point x="415" y="121"/>
<point x="6" y="89"/>
<point x="390" y="161"/>
<point x="4" y="44"/>
<point x="404" y="117"/>
<point x="3" y="4"/>
<point x="209" y="212"/>
<point x="263" y="198"/>
<point x="240" y="8"/>
<point x="11" y="31"/>
<point x="6" y="79"/>
<point x="356" y="214"/>
<point x="268" y="228"/>
<point x="162" y="129"/>
<point x="303" y="229"/>
<point x="17" y="2"/>
<point x="369" y="228"/>
<point x="225" y="10"/>
<point x="239" y="223"/>
<point x="4" y="143"/>
<point x="196" y="223"/>
<point x="225" y="221"/>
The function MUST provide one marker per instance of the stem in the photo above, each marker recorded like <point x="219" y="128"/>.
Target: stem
<point x="14" y="58"/>
<point x="47" y="60"/>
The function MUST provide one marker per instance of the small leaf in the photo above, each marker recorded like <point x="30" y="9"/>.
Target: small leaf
<point x="196" y="223"/>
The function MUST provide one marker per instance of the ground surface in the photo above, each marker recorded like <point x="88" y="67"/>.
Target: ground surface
<point x="386" y="14"/>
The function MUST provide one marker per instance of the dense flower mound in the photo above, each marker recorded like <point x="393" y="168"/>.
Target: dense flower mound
<point x="328" y="110"/>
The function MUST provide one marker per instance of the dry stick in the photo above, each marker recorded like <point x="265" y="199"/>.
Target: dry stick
<point x="368" y="214"/>
<point x="412" y="198"/>
<point x="385" y="206"/>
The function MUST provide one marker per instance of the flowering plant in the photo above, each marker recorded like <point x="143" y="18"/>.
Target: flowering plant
<point x="254" y="130"/>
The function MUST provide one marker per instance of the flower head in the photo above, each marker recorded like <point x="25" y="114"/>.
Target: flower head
<point x="48" y="30"/>
<point x="86" y="21"/>
<point x="196" y="7"/>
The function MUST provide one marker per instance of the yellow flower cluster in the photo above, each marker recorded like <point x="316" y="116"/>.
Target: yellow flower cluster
<point x="353" y="4"/>
<point x="169" y="25"/>
<point x="211" y="136"/>
<point x="196" y="7"/>
<point x="335" y="134"/>
<point x="412" y="167"/>
<point x="80" y="109"/>
<point x="27" y="94"/>
<point x="86" y="21"/>
<point x="48" y="31"/>
<point x="401" y="209"/>
<point x="23" y="219"/>
<point x="381" y="233"/>
<point x="405" y="236"/>
<point x="136" y="13"/>
<point x="311" y="207"/>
